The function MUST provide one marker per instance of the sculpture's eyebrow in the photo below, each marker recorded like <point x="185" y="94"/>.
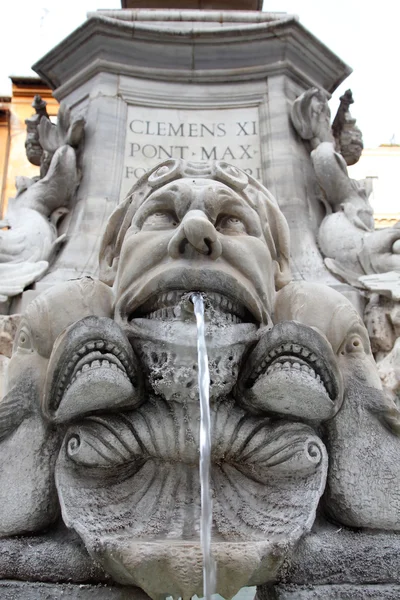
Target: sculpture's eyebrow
<point x="153" y="204"/>
<point x="229" y="203"/>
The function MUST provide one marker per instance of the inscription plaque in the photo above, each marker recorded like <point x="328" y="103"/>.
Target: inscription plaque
<point x="156" y="134"/>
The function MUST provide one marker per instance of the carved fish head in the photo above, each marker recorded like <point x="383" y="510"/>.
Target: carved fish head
<point x="338" y="321"/>
<point x="28" y="444"/>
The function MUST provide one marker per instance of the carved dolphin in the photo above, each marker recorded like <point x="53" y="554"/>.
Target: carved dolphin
<point x="29" y="444"/>
<point x="30" y="240"/>
<point x="363" y="439"/>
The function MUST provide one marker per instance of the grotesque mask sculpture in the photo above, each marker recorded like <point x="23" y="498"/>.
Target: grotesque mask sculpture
<point x="207" y="228"/>
<point x="118" y="388"/>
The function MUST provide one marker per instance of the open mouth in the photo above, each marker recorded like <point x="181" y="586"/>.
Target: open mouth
<point x="93" y="355"/>
<point x="292" y="371"/>
<point x="175" y="304"/>
<point x="91" y="360"/>
<point x="295" y="358"/>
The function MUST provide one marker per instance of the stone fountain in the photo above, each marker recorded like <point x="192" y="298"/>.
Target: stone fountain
<point x="188" y="158"/>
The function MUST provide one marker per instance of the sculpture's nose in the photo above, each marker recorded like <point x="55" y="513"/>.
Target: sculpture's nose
<point x="196" y="232"/>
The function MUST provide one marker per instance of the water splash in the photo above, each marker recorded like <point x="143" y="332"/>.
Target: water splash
<point x="209" y="573"/>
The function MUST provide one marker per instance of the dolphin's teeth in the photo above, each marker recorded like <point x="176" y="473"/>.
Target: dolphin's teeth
<point x="114" y="366"/>
<point x="296" y="365"/>
<point x="296" y="349"/>
<point x="105" y="363"/>
<point x="85" y="367"/>
<point x="90" y="346"/>
<point x="82" y="351"/>
<point x="100" y="345"/>
<point x="312" y="357"/>
<point x="305" y="352"/>
<point x="95" y="364"/>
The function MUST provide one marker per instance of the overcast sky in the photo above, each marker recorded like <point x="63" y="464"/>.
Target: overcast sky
<point x="364" y="34"/>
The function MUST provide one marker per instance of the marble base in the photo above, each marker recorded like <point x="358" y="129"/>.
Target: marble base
<point x="23" y="590"/>
<point x="332" y="563"/>
<point x="334" y="592"/>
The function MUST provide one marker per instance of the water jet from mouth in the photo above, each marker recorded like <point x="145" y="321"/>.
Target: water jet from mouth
<point x="209" y="576"/>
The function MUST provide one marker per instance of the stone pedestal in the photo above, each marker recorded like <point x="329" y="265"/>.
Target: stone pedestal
<point x="154" y="84"/>
<point x="336" y="563"/>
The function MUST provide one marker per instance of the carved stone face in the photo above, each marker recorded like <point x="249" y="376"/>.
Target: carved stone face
<point x="128" y="479"/>
<point x="193" y="235"/>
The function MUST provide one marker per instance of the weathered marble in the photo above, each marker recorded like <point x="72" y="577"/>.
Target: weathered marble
<point x="104" y="378"/>
<point x="164" y="69"/>
<point x="29" y="240"/>
<point x="29" y="443"/>
<point x="335" y="562"/>
<point x="99" y="421"/>
<point x="10" y="590"/>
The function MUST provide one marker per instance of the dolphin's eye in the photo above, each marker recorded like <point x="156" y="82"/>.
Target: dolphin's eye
<point x="353" y="345"/>
<point x="24" y="340"/>
<point x="160" y="220"/>
<point x="230" y="225"/>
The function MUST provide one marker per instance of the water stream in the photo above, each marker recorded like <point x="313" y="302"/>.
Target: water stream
<point x="209" y="572"/>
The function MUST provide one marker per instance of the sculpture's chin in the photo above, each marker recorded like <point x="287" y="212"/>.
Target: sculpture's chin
<point x="129" y="485"/>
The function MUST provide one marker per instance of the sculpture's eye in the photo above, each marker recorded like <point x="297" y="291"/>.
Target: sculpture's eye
<point x="396" y="247"/>
<point x="160" y="220"/>
<point x="353" y="345"/>
<point x="24" y="341"/>
<point x="230" y="225"/>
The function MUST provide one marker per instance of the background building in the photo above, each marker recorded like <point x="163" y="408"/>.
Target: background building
<point x="381" y="165"/>
<point x="13" y="112"/>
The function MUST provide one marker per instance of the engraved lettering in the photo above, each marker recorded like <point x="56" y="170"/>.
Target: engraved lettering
<point x="134" y="149"/>
<point x="163" y="153"/>
<point x="193" y="131"/>
<point x="138" y="129"/>
<point x="161" y="128"/>
<point x="177" y="132"/>
<point x="149" y="151"/>
<point x="245" y="151"/>
<point x="212" y="155"/>
<point x="228" y="154"/>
